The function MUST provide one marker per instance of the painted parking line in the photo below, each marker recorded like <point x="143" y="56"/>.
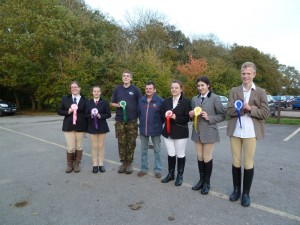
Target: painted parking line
<point x="292" y="135"/>
<point x="213" y="193"/>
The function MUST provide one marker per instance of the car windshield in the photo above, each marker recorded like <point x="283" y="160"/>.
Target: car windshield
<point x="270" y="98"/>
<point x="223" y="98"/>
<point x="276" y="98"/>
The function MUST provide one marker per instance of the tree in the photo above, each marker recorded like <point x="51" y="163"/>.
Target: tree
<point x="267" y="74"/>
<point x="292" y="79"/>
<point x="191" y="70"/>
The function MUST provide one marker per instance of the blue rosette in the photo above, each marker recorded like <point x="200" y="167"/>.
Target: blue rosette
<point x="238" y="104"/>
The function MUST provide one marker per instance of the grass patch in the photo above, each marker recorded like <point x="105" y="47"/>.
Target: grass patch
<point x="286" y="121"/>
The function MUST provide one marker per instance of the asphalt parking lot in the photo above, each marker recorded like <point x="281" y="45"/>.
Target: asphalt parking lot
<point x="34" y="188"/>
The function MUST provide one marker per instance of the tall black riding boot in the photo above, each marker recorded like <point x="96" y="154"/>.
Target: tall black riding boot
<point x="199" y="185"/>
<point x="180" y="170"/>
<point x="171" y="165"/>
<point x="248" y="177"/>
<point x="207" y="173"/>
<point x="236" y="178"/>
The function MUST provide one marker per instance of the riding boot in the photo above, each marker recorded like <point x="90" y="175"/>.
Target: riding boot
<point x="207" y="174"/>
<point x="171" y="165"/>
<point x="180" y="170"/>
<point x="70" y="159"/>
<point x="248" y="177"/>
<point x="236" y="178"/>
<point x="78" y="154"/>
<point x="199" y="185"/>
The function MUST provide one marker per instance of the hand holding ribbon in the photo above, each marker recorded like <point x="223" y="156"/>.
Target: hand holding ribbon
<point x="123" y="106"/>
<point x="168" y="115"/>
<point x="74" y="107"/>
<point x="94" y="113"/>
<point x="238" y="104"/>
<point x="197" y="111"/>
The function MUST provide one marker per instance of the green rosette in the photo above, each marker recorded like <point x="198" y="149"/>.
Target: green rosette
<point x="123" y="106"/>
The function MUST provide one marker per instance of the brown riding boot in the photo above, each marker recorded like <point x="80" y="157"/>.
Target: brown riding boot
<point x="78" y="154"/>
<point x="70" y="159"/>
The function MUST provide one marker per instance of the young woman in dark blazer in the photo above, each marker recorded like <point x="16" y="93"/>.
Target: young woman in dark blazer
<point x="97" y="111"/>
<point x="176" y="135"/>
<point x="74" y="125"/>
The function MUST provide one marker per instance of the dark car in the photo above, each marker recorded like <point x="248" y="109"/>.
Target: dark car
<point x="282" y="100"/>
<point x="271" y="103"/>
<point x="7" y="108"/>
<point x="224" y="101"/>
<point x="296" y="103"/>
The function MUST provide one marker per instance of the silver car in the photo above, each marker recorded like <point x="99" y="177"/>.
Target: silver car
<point x="224" y="101"/>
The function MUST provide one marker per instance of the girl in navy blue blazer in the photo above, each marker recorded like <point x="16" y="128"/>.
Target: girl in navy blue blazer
<point x="97" y="111"/>
<point x="72" y="107"/>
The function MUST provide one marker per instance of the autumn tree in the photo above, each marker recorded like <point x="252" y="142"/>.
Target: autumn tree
<point x="190" y="71"/>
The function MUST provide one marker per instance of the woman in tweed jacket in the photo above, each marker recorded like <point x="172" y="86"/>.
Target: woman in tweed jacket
<point x="206" y="132"/>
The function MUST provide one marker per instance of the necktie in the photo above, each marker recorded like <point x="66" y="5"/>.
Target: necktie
<point x="74" y="101"/>
<point x="202" y="99"/>
<point x="96" y="102"/>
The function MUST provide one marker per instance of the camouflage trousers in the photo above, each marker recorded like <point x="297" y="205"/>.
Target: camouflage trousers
<point x="126" y="133"/>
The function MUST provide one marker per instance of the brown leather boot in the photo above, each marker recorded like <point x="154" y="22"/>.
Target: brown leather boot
<point x="78" y="154"/>
<point x="70" y="159"/>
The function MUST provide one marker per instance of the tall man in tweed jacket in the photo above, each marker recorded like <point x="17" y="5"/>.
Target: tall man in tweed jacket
<point x="244" y="133"/>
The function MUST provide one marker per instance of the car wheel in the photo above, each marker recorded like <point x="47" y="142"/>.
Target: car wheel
<point x="1" y="113"/>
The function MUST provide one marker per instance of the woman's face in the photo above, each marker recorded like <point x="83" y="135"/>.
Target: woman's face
<point x="96" y="92"/>
<point x="175" y="89"/>
<point x="202" y="87"/>
<point x="75" y="89"/>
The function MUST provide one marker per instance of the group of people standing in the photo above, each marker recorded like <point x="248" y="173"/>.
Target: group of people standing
<point x="169" y="118"/>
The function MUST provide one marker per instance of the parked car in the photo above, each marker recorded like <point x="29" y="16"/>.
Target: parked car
<point x="282" y="100"/>
<point x="289" y="99"/>
<point x="296" y="103"/>
<point x="271" y="103"/>
<point x="7" y="108"/>
<point x="224" y="101"/>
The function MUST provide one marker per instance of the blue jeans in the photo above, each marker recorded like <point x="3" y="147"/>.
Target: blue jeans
<point x="144" y="148"/>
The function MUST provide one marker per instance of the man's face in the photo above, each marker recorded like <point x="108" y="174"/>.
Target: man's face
<point x="247" y="75"/>
<point x="150" y="90"/>
<point x="126" y="77"/>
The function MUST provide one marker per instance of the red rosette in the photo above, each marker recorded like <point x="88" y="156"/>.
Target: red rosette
<point x="168" y="114"/>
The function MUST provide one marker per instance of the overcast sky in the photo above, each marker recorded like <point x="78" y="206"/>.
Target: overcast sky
<point x="271" y="26"/>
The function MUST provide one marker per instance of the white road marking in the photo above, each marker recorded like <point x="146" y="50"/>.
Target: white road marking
<point x="292" y="135"/>
<point x="220" y="195"/>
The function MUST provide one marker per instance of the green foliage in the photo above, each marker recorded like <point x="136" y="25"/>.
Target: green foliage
<point x="45" y="44"/>
<point x="267" y="73"/>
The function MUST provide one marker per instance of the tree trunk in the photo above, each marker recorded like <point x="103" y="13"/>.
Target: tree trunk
<point x="39" y="105"/>
<point x="33" y="107"/>
<point x="17" y="99"/>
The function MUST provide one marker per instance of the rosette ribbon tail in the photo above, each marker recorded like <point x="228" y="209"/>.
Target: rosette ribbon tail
<point x="123" y="106"/>
<point x="238" y="104"/>
<point x="74" y="107"/>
